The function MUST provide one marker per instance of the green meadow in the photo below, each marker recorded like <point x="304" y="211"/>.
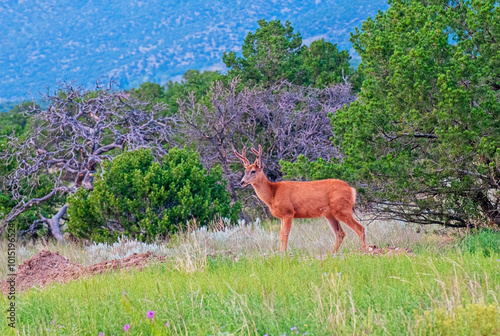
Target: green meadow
<point x="447" y="287"/>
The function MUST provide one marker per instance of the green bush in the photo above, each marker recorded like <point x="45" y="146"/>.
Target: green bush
<point x="138" y="197"/>
<point x="485" y="242"/>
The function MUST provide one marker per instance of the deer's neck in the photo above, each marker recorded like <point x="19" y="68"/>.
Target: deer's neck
<point x="264" y="190"/>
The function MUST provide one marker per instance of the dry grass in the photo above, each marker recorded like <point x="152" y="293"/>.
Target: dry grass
<point x="190" y="248"/>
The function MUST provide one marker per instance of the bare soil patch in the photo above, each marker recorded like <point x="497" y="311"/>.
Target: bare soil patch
<point x="47" y="267"/>
<point x="389" y="251"/>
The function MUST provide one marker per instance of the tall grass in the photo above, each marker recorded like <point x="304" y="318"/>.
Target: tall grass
<point x="308" y="236"/>
<point x="235" y="283"/>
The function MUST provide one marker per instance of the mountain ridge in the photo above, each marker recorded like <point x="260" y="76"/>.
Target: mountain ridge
<point x="133" y="41"/>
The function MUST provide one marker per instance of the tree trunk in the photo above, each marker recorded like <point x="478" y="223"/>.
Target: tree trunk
<point x="491" y="212"/>
<point x="54" y="226"/>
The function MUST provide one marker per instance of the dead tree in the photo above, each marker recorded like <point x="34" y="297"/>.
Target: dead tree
<point x="289" y="120"/>
<point x="71" y="138"/>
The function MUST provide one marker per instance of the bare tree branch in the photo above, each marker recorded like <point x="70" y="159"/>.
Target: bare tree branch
<point x="73" y="136"/>
<point x="288" y="120"/>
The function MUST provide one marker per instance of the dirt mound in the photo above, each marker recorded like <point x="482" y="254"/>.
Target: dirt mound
<point x="136" y="261"/>
<point x="47" y="267"/>
<point x="389" y="251"/>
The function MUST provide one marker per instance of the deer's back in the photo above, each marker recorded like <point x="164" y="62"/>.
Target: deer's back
<point x="310" y="199"/>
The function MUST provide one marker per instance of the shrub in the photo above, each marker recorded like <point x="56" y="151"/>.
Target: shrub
<point x="138" y="197"/>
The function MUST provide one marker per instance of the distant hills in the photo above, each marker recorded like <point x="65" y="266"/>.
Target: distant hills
<point x="43" y="42"/>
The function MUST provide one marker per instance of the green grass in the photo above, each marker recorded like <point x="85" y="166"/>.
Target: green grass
<point x="485" y="242"/>
<point x="352" y="294"/>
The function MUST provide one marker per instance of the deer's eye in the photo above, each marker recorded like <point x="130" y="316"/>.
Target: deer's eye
<point x="253" y="171"/>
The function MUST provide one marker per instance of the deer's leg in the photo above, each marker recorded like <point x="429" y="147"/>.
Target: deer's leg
<point x="287" y="226"/>
<point x="337" y="230"/>
<point x="348" y="219"/>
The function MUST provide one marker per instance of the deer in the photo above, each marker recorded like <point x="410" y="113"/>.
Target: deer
<point x="330" y="198"/>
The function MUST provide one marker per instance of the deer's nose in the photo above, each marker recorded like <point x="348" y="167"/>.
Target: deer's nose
<point x="242" y="183"/>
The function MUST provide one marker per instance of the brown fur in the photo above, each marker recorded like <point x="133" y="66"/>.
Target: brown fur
<point x="332" y="199"/>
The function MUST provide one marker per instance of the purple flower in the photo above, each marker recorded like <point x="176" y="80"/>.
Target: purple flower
<point x="294" y="328"/>
<point x="101" y="334"/>
<point x="126" y="327"/>
<point x="151" y="314"/>
<point x="166" y="324"/>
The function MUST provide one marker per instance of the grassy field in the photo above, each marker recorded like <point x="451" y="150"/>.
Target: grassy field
<point x="450" y="286"/>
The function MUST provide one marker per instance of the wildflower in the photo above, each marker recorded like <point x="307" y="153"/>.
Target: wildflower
<point x="294" y="328"/>
<point x="126" y="327"/>
<point x="166" y="324"/>
<point x="101" y="334"/>
<point x="151" y="314"/>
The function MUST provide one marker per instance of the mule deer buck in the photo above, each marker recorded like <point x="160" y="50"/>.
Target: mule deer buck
<point x="332" y="199"/>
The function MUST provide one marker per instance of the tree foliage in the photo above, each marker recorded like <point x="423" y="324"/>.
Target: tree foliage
<point x="325" y="64"/>
<point x="15" y="120"/>
<point x="149" y="92"/>
<point x="274" y="52"/>
<point x="192" y="81"/>
<point x="423" y="139"/>
<point x="141" y="198"/>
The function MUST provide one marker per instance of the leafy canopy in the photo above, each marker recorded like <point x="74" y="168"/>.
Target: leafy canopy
<point x="192" y="81"/>
<point x="274" y="52"/>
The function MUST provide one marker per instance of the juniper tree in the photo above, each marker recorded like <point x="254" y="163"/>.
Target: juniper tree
<point x="422" y="142"/>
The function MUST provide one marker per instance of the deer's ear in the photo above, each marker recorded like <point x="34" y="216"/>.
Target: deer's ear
<point x="258" y="164"/>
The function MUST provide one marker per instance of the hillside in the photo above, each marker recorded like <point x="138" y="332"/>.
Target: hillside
<point x="134" y="41"/>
